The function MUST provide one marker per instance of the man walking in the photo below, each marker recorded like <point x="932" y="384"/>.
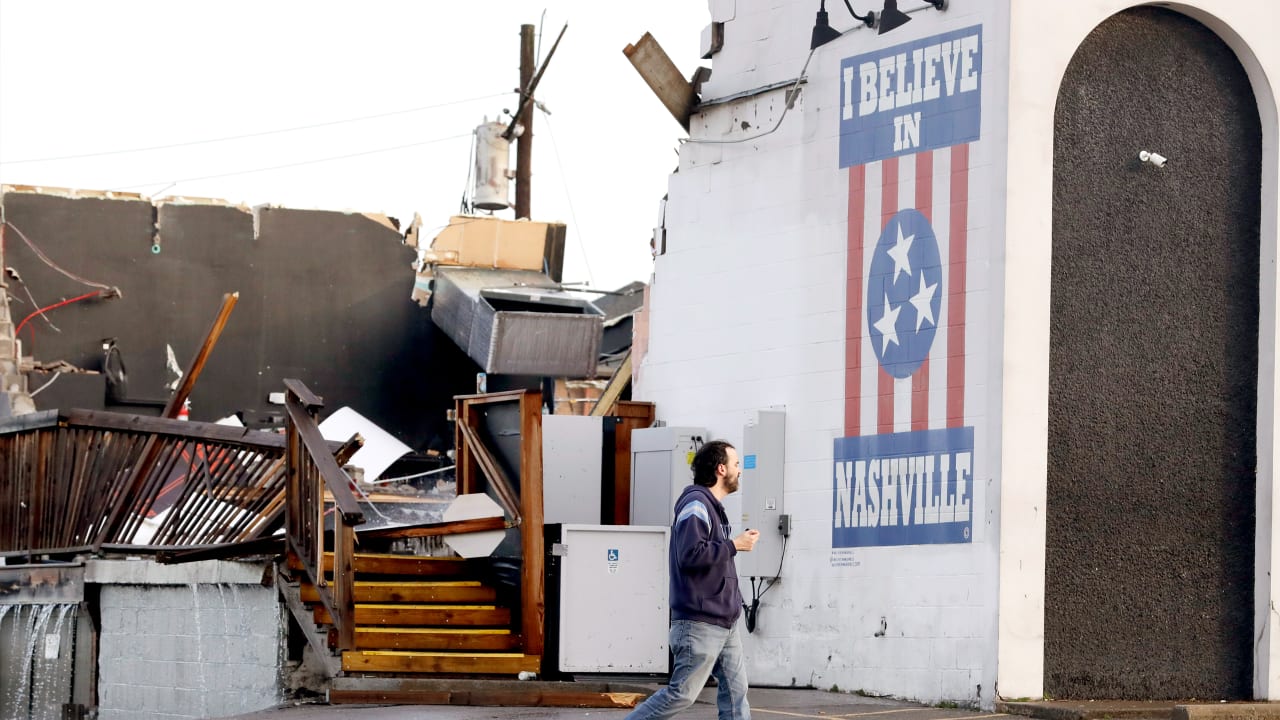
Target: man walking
<point x="705" y="600"/>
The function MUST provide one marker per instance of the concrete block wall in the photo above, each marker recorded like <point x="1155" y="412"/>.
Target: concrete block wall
<point x="196" y="651"/>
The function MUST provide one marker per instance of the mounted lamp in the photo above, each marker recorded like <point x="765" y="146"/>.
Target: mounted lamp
<point x="889" y="18"/>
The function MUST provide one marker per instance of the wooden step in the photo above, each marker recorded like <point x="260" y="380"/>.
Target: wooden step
<point x="425" y="591"/>
<point x="495" y="692"/>
<point x="418" y="638"/>
<point x="385" y="564"/>
<point x="423" y="615"/>
<point x="404" y="661"/>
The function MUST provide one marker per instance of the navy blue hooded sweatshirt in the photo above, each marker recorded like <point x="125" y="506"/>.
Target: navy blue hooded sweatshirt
<point x="704" y="579"/>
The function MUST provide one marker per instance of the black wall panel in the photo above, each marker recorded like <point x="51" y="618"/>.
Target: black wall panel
<point x="324" y="297"/>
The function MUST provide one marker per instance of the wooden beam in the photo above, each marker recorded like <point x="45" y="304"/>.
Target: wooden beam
<point x="618" y="382"/>
<point x="663" y="78"/>
<point x="493" y="472"/>
<point x="532" y="580"/>
<point x="531" y="697"/>
<point x="202" y="356"/>
<point x="456" y="527"/>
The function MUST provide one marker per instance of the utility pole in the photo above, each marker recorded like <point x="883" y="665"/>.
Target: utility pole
<point x="524" y="144"/>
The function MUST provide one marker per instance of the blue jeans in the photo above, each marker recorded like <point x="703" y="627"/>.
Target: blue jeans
<point x="701" y="650"/>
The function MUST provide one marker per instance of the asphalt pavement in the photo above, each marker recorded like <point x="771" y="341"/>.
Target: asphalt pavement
<point x="766" y="704"/>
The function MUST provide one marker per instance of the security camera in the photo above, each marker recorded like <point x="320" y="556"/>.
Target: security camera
<point x="1154" y="158"/>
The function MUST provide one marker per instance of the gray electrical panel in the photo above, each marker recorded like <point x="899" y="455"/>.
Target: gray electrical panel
<point x="660" y="459"/>
<point x="572" y="446"/>
<point x="763" y="463"/>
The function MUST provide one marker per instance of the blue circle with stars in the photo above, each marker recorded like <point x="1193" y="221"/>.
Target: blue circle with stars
<point x="904" y="293"/>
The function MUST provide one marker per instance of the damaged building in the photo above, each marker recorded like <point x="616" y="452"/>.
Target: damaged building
<point x="108" y="502"/>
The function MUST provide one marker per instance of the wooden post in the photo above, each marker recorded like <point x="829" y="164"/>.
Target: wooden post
<point x="229" y="301"/>
<point x="524" y="144"/>
<point x="344" y="596"/>
<point x="532" y="581"/>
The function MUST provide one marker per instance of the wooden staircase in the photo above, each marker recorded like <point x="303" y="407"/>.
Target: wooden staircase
<point x="423" y="616"/>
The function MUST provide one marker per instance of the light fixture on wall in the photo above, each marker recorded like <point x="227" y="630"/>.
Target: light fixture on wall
<point x="889" y="18"/>
<point x="823" y="33"/>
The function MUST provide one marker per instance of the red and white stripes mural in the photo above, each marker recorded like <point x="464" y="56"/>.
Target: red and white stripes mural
<point x="903" y="472"/>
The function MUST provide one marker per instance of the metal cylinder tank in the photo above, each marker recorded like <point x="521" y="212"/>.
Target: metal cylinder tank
<point x="493" y="157"/>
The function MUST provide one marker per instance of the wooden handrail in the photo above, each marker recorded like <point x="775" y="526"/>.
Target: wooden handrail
<point x="311" y="471"/>
<point x="304" y="394"/>
<point x="335" y="479"/>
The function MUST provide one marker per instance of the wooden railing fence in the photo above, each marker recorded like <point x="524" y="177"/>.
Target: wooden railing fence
<point x="312" y="472"/>
<point x="85" y="481"/>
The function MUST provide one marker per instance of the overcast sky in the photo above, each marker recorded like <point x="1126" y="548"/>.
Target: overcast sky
<point x="88" y="79"/>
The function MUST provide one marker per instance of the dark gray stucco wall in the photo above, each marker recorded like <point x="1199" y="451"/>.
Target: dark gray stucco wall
<point x="1153" y="367"/>
<point x="324" y="297"/>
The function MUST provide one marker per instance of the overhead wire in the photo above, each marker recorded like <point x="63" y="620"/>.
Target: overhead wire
<point x="791" y="99"/>
<point x="582" y="246"/>
<point x="261" y="133"/>
<point x="285" y="166"/>
<point x="49" y="382"/>
<point x="97" y="293"/>
<point x="48" y="261"/>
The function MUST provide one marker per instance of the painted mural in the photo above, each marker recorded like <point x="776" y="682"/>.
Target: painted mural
<point x="903" y="472"/>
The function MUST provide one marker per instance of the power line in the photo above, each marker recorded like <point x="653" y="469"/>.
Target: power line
<point x="546" y="117"/>
<point x="249" y="135"/>
<point x="291" y="165"/>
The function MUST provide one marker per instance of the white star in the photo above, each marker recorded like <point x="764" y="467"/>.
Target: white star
<point x="923" y="301"/>
<point x="901" y="262"/>
<point x="888" y="325"/>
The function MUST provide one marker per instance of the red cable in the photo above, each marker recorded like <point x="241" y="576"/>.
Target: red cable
<point x="55" y="306"/>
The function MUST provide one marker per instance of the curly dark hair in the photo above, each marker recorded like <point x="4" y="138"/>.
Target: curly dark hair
<point x="708" y="458"/>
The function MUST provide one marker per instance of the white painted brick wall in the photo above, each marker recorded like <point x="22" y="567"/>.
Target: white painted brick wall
<point x="198" y="651"/>
<point x="748" y="312"/>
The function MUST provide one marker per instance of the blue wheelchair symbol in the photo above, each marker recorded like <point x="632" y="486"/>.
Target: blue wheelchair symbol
<point x="613" y="555"/>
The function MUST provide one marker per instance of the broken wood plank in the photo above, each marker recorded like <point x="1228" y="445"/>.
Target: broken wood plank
<point x="618" y="382"/>
<point x="489" y="698"/>
<point x="192" y="374"/>
<point x="455" y="527"/>
<point x="663" y="78"/>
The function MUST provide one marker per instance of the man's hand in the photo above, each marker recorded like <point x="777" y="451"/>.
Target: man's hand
<point x="746" y="540"/>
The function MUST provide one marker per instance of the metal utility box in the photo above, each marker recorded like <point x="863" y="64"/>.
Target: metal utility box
<point x="660" y="459"/>
<point x="607" y="607"/>
<point x="763" y="462"/>
<point x="572" y="450"/>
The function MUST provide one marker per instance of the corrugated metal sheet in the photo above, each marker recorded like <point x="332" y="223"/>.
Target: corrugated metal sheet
<point x="518" y="322"/>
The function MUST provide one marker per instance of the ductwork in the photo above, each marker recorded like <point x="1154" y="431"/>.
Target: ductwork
<point x="518" y="322"/>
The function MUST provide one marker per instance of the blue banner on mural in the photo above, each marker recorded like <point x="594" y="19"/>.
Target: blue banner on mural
<point x="911" y="488"/>
<point x="920" y="95"/>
